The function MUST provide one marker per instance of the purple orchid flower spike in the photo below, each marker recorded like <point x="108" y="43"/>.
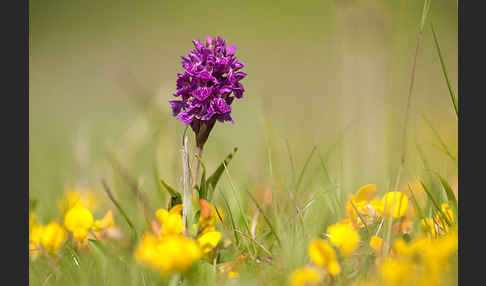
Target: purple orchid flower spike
<point x="207" y="87"/>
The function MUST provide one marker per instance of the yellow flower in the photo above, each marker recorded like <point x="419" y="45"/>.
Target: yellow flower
<point x="396" y="272"/>
<point x="171" y="221"/>
<point x="343" y="236"/>
<point x="209" y="240"/>
<point x="171" y="253"/>
<point x="428" y="225"/>
<point x="399" y="207"/>
<point x="366" y="193"/>
<point x="233" y="274"/>
<point x="376" y="243"/>
<point x="177" y="209"/>
<point x="305" y="276"/>
<point x="146" y="250"/>
<point x="35" y="236"/>
<point x="78" y="221"/>
<point x="173" y="225"/>
<point x="362" y="202"/>
<point x="322" y="254"/>
<point x="447" y="210"/>
<point x="424" y="259"/>
<point x="209" y="217"/>
<point x="106" y="222"/>
<point x="52" y="237"/>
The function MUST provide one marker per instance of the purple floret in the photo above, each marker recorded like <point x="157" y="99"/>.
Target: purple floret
<point x="209" y="84"/>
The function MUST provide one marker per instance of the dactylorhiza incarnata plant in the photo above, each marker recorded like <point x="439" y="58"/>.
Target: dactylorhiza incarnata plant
<point x="208" y="86"/>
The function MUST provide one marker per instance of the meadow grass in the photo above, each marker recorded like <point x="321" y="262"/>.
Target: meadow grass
<point x="267" y="225"/>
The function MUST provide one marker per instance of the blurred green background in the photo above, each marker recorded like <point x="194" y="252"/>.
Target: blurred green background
<point x="332" y="74"/>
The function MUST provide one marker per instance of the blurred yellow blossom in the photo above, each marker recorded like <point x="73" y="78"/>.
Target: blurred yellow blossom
<point x="78" y="221"/>
<point x="376" y="243"/>
<point x="343" y="236"/>
<point x="396" y="272"/>
<point x="361" y="202"/>
<point x="209" y="217"/>
<point x="437" y="225"/>
<point x="170" y="221"/>
<point x="209" y="240"/>
<point x="106" y="222"/>
<point x="393" y="200"/>
<point x="51" y="237"/>
<point x="447" y="210"/>
<point x="170" y="253"/>
<point x="322" y="254"/>
<point x="420" y="262"/>
<point x="306" y="276"/>
<point x="35" y="235"/>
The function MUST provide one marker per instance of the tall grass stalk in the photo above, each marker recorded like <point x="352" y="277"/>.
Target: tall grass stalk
<point x="425" y="12"/>
<point x="187" y="197"/>
<point x="444" y="71"/>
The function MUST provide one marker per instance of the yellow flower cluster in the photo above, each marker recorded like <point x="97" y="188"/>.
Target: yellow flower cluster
<point x="50" y="237"/>
<point x="419" y="263"/>
<point x="437" y="225"/>
<point x="79" y="221"/>
<point x="343" y="236"/>
<point x="365" y="206"/>
<point x="168" y="249"/>
<point x="306" y="276"/>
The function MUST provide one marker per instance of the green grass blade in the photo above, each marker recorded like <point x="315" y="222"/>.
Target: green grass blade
<point x="444" y="71"/>
<point x="425" y="13"/>
<point x="203" y="190"/>
<point x="442" y="143"/>
<point x="301" y="176"/>
<point x="416" y="204"/>
<point x="326" y="172"/>
<point x="360" y="216"/>
<point x="176" y="197"/>
<point x="214" y="178"/>
<point x="447" y="188"/>
<point x="436" y="205"/>
<point x="264" y="215"/>
<point x="233" y="226"/>
<point x="119" y="208"/>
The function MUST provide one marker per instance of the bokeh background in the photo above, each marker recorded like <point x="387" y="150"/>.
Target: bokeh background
<point x="332" y="74"/>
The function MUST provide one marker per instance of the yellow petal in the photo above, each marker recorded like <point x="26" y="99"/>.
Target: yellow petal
<point x="53" y="236"/>
<point x="177" y="209"/>
<point x="376" y="243"/>
<point x="322" y="254"/>
<point x="343" y="236"/>
<point x="209" y="240"/>
<point x="366" y="193"/>
<point x="106" y="222"/>
<point x="173" y="225"/>
<point x="78" y="217"/>
<point x="396" y="201"/>
<point x="333" y="268"/>
<point x="305" y="276"/>
<point x="161" y="215"/>
<point x="80" y="234"/>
